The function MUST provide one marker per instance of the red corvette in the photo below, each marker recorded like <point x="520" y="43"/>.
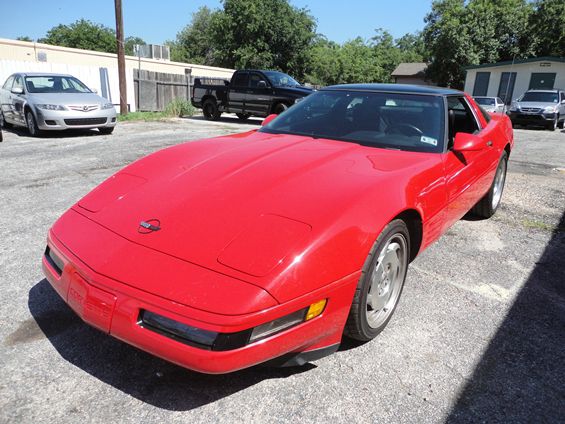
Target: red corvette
<point x="270" y="245"/>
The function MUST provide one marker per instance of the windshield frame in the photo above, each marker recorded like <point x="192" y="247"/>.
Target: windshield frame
<point x="441" y="116"/>
<point x="47" y="76"/>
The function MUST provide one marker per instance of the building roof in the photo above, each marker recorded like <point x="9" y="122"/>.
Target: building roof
<point x="395" y="88"/>
<point x="414" y="69"/>
<point x="517" y="61"/>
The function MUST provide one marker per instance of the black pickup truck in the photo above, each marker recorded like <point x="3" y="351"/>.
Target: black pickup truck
<point x="249" y="93"/>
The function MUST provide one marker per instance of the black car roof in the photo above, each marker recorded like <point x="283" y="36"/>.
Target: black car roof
<point x="396" y="88"/>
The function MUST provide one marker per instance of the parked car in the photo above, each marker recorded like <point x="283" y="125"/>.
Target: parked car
<point x="271" y="245"/>
<point x="539" y="107"/>
<point x="248" y="93"/>
<point x="491" y="104"/>
<point x="41" y="101"/>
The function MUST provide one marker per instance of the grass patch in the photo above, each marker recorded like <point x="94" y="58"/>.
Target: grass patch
<point x="177" y="108"/>
<point x="538" y="225"/>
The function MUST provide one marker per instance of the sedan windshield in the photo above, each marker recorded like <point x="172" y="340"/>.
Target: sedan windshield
<point x="55" y="84"/>
<point x="539" y="96"/>
<point x="387" y="120"/>
<point x="278" y="79"/>
<point x="485" y="101"/>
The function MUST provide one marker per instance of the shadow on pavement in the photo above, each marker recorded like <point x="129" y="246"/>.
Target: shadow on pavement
<point x="521" y="376"/>
<point x="22" y="132"/>
<point x="139" y="374"/>
<point x="253" y="121"/>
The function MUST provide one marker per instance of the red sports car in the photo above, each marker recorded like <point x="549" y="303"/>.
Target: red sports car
<point x="271" y="245"/>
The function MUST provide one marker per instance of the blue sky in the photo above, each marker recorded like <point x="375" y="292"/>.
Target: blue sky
<point x="158" y="21"/>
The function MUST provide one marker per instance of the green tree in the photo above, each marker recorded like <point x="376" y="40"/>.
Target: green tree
<point x="459" y="33"/>
<point x="24" y="38"/>
<point x="194" y="43"/>
<point x="82" y="34"/>
<point x="262" y="34"/>
<point x="547" y="25"/>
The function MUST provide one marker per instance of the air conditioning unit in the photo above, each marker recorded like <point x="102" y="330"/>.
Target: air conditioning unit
<point x="152" y="51"/>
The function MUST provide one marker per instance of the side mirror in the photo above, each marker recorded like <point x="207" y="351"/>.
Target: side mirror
<point x="95" y="91"/>
<point x="465" y="142"/>
<point x="18" y="90"/>
<point x="268" y="119"/>
<point x="261" y="84"/>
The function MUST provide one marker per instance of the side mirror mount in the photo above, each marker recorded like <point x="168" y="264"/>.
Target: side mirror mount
<point x="268" y="119"/>
<point x="18" y="90"/>
<point x="465" y="142"/>
<point x="261" y="84"/>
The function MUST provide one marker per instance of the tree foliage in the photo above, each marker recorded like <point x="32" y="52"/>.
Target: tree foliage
<point x="194" y="42"/>
<point x="87" y="35"/>
<point x="547" y="22"/>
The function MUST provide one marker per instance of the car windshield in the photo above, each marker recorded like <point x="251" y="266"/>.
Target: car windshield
<point x="485" y="101"/>
<point x="279" y="79"/>
<point x="539" y="96"/>
<point x="55" y="84"/>
<point x="387" y="120"/>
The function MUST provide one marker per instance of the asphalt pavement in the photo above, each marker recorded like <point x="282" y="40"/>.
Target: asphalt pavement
<point x="479" y="334"/>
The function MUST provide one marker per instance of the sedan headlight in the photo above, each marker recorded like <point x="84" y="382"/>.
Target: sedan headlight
<point x="107" y="106"/>
<point x="51" y="107"/>
<point x="550" y="109"/>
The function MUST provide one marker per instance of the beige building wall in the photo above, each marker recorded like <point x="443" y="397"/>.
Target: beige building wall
<point x="523" y="75"/>
<point x="23" y="56"/>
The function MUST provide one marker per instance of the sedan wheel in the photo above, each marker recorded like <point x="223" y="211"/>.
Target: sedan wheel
<point x="31" y="124"/>
<point x="381" y="283"/>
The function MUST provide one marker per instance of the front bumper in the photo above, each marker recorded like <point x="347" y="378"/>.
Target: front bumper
<point x="521" y="118"/>
<point x="69" y="119"/>
<point x="114" y="308"/>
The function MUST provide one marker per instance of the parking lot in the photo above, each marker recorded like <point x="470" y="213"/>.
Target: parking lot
<point x="478" y="335"/>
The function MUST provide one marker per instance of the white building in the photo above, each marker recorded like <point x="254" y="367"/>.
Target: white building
<point x="509" y="80"/>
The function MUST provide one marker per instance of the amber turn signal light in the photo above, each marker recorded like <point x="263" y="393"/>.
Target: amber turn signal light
<point x="316" y="309"/>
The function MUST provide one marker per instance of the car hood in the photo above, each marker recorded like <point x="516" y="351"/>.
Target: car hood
<point x="245" y="204"/>
<point x="540" y="105"/>
<point x="66" y="98"/>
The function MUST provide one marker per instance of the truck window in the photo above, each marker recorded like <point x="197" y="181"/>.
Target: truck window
<point x="240" y="79"/>
<point x="254" y="80"/>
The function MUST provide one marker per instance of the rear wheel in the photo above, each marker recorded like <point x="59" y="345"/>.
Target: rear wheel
<point x="279" y="108"/>
<point x="381" y="283"/>
<point x="106" y="130"/>
<point x="487" y="206"/>
<point x="210" y="109"/>
<point x="32" y="128"/>
<point x="243" y="116"/>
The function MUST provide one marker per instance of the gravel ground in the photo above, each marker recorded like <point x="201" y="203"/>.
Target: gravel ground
<point x="479" y="335"/>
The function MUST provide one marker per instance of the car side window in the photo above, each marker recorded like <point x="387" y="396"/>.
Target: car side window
<point x="18" y="82"/>
<point x="241" y="79"/>
<point x="254" y="80"/>
<point x="460" y="118"/>
<point x="8" y="84"/>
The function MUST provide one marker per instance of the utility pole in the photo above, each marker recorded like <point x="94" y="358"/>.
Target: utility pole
<point x="121" y="57"/>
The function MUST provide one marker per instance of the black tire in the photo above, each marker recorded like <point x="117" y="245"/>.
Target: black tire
<point x="106" y="130"/>
<point x="560" y="123"/>
<point x="3" y="123"/>
<point x="553" y="125"/>
<point x="358" y="324"/>
<point x="279" y="108"/>
<point x="243" y="116"/>
<point x="31" y="123"/>
<point x="487" y="206"/>
<point x="210" y="110"/>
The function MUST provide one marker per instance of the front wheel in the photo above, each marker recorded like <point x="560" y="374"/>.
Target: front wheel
<point x="32" y="128"/>
<point x="279" y="108"/>
<point x="553" y="125"/>
<point x="487" y="206"/>
<point x="381" y="283"/>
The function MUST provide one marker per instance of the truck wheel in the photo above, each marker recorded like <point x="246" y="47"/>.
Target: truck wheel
<point x="210" y="109"/>
<point x="243" y="116"/>
<point x="279" y="108"/>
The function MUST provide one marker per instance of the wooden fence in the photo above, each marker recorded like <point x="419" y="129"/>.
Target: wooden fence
<point x="155" y="90"/>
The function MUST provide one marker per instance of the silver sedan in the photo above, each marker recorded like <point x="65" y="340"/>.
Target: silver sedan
<point x="41" y="101"/>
